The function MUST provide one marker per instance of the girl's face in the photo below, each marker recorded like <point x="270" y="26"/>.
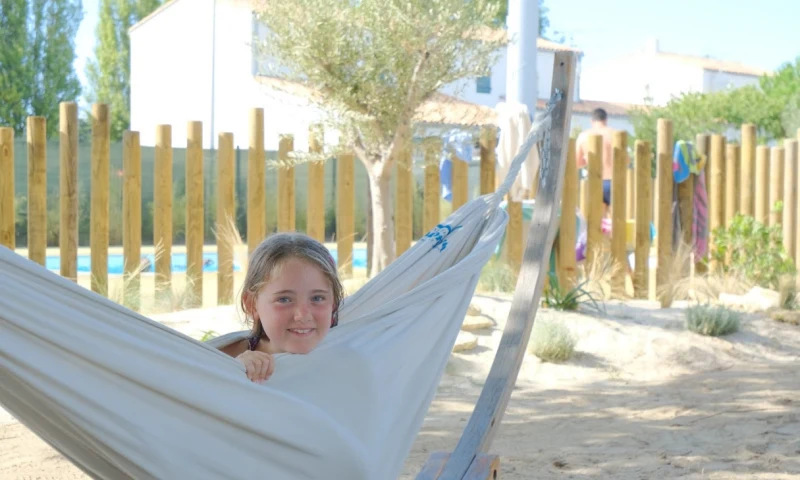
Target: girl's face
<point x="295" y="307"/>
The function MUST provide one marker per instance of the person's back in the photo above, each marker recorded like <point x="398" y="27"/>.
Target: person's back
<point x="599" y="127"/>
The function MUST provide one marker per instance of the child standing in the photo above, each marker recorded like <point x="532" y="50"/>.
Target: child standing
<point x="291" y="295"/>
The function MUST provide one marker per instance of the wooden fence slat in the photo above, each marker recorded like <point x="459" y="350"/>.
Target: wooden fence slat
<point x="762" y="185"/>
<point x="619" y="197"/>
<point x="747" y="201"/>
<point x="37" y="189"/>
<point x="404" y="202"/>
<point x="644" y="182"/>
<point x="776" y="185"/>
<point x="315" y="208"/>
<point x="790" y="198"/>
<point x="594" y="197"/>
<point x="488" y="144"/>
<point x="131" y="218"/>
<point x="68" y="190"/>
<point x="162" y="216"/>
<point x="716" y="197"/>
<point x="226" y="218"/>
<point x="703" y="147"/>
<point x="195" y="216"/>
<point x="459" y="181"/>
<point x="732" y="191"/>
<point x="664" y="229"/>
<point x="345" y="212"/>
<point x="7" y="207"/>
<point x="101" y="164"/>
<point x="432" y="146"/>
<point x="256" y="182"/>
<point x="567" y="271"/>
<point x="286" y="191"/>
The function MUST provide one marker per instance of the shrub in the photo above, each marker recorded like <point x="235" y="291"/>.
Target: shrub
<point x="711" y="320"/>
<point x="552" y="341"/>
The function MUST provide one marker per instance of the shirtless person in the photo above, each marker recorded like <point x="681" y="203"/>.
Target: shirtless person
<point x="599" y="127"/>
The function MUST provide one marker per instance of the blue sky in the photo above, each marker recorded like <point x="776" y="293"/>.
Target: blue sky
<point x="762" y="34"/>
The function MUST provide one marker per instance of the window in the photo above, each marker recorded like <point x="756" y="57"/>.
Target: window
<point x="484" y="85"/>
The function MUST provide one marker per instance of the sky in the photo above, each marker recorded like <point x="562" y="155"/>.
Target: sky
<point x="762" y="34"/>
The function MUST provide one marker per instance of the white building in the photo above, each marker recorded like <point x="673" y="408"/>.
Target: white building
<point x="659" y="76"/>
<point x="195" y="60"/>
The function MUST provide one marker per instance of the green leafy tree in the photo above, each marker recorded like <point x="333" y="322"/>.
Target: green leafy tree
<point x="373" y="63"/>
<point x="55" y="24"/>
<point x="36" y="59"/>
<point x="15" y="74"/>
<point x="109" y="73"/>
<point x="773" y="106"/>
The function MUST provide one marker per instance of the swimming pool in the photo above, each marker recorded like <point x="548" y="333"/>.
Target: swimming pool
<point x="115" y="262"/>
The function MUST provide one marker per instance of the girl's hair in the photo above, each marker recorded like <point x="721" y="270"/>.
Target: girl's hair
<point x="269" y="256"/>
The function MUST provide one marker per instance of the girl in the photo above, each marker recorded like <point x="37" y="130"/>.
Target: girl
<point x="291" y="295"/>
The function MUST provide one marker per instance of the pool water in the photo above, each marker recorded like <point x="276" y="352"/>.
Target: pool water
<point x="115" y="262"/>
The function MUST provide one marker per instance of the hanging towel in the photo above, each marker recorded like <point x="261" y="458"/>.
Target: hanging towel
<point x="456" y="143"/>
<point x="514" y="122"/>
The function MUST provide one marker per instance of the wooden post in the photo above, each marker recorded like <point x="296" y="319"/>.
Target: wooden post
<point x="433" y="146"/>
<point x="256" y="179"/>
<point x="644" y="182"/>
<point x="747" y="200"/>
<point x="7" y="209"/>
<point x="488" y="159"/>
<point x="762" y="185"/>
<point x="37" y="189"/>
<point x="665" y="182"/>
<point x="315" y="205"/>
<point x="776" y="185"/>
<point x="226" y="218"/>
<point x="404" y="202"/>
<point x="619" y="197"/>
<point x="732" y="152"/>
<point x="594" y="216"/>
<point x="716" y="197"/>
<point x="131" y="218"/>
<point x="68" y="190"/>
<point x="345" y="212"/>
<point x="162" y="217"/>
<point x="459" y="181"/>
<point x="101" y="164"/>
<point x="686" y="206"/>
<point x="790" y="199"/>
<point x="567" y="273"/>
<point x="583" y="193"/>
<point x="630" y="205"/>
<point x="286" y="203"/>
<point x="195" y="213"/>
<point x="513" y="243"/>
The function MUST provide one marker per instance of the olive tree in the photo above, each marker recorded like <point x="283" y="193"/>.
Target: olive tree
<point x="372" y="64"/>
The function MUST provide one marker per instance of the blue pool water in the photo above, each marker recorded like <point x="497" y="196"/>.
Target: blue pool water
<point x="115" y="262"/>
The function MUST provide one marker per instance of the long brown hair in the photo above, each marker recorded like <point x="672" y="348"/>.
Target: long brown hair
<point x="270" y="255"/>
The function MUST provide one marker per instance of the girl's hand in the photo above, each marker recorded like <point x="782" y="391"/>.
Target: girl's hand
<point x="259" y="365"/>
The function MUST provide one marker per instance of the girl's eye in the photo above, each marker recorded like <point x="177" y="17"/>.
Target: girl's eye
<point x="284" y="299"/>
<point x="319" y="298"/>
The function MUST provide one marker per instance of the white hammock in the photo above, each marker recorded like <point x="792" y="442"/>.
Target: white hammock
<point x="123" y="396"/>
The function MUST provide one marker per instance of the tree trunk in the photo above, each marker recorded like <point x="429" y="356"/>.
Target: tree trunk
<point x="383" y="252"/>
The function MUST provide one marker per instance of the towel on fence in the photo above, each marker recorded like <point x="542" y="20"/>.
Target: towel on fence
<point x="514" y="122"/>
<point x="458" y="144"/>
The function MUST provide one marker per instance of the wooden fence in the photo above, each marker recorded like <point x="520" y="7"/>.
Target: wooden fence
<point x="746" y="178"/>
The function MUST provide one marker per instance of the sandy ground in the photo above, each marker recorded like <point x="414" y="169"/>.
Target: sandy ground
<point x="643" y="398"/>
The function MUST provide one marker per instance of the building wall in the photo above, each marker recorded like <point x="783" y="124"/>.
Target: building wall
<point x="171" y="70"/>
<point x="714" y="81"/>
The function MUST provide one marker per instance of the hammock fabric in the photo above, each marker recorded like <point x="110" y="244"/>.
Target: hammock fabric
<point x="123" y="396"/>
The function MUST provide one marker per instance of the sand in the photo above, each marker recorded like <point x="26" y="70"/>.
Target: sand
<point x="642" y="398"/>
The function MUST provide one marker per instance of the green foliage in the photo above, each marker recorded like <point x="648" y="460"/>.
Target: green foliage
<point x="774" y="108"/>
<point x="544" y="22"/>
<point x="551" y="341"/>
<point x="36" y="59"/>
<point x="109" y="73"/>
<point x="752" y="250"/>
<point x="712" y="320"/>
<point x="555" y="297"/>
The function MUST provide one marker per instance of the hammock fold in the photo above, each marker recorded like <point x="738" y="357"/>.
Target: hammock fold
<point x="121" y="395"/>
